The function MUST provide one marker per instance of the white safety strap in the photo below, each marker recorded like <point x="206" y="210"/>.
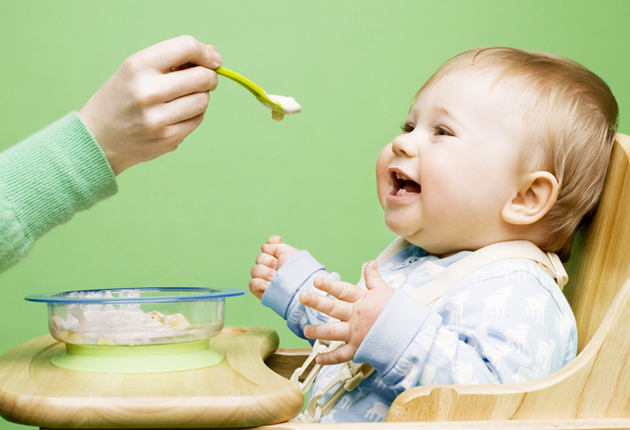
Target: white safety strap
<point x="351" y="374"/>
<point x="521" y="249"/>
<point x="349" y="377"/>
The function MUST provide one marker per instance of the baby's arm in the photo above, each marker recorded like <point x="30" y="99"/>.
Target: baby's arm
<point x="273" y="256"/>
<point x="482" y="333"/>
<point x="279" y="289"/>
<point x="494" y="331"/>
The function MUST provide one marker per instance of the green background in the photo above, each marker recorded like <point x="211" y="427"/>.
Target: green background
<point x="198" y="216"/>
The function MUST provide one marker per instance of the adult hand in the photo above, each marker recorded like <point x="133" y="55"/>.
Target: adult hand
<point x="153" y="101"/>
<point x="356" y="309"/>
<point x="273" y="256"/>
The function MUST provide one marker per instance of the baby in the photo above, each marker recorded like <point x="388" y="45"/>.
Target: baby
<point x="500" y="145"/>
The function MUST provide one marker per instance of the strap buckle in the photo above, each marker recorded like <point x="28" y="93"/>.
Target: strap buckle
<point x="349" y="377"/>
<point x="559" y="272"/>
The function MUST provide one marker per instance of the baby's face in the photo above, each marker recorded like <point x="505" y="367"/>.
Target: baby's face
<point x="444" y="180"/>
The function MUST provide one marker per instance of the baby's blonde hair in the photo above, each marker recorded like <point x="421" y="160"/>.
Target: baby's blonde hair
<point x="573" y="120"/>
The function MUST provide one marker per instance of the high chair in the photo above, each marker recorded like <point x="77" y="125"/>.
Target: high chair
<point x="593" y="391"/>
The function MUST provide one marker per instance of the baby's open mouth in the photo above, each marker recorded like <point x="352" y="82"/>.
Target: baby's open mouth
<point x="401" y="184"/>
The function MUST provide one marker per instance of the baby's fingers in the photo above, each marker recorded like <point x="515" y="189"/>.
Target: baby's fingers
<point x="271" y="249"/>
<point x="258" y="286"/>
<point x="334" y="331"/>
<point x="263" y="272"/>
<point x="274" y="239"/>
<point x="267" y="260"/>
<point x="332" y="307"/>
<point x="372" y="276"/>
<point x="340" y="355"/>
<point x="341" y="290"/>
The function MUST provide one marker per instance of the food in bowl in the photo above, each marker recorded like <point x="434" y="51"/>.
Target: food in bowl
<point x="139" y="316"/>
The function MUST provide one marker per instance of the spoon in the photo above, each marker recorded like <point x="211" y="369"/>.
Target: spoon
<point x="279" y="105"/>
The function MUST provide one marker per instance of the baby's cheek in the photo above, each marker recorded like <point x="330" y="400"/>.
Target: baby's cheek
<point x="441" y="185"/>
<point x="382" y="177"/>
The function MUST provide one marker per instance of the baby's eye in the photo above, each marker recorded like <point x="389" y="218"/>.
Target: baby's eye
<point x="407" y="127"/>
<point x="441" y="131"/>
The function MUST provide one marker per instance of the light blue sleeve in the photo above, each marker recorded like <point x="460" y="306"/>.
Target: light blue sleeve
<point x="502" y="329"/>
<point x="282" y="294"/>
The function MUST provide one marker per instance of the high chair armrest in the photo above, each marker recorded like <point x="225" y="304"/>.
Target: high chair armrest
<point x="285" y="360"/>
<point x="456" y="403"/>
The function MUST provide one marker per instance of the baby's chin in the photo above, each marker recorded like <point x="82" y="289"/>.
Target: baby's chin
<point x="401" y="229"/>
<point x="416" y="237"/>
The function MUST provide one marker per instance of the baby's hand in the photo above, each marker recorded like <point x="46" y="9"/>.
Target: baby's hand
<point x="153" y="101"/>
<point x="357" y="310"/>
<point x="273" y="256"/>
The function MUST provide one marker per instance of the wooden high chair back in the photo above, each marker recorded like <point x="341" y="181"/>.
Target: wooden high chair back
<point x="596" y="385"/>
<point x="601" y="262"/>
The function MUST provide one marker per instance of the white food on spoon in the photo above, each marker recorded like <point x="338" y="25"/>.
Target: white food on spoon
<point x="288" y="104"/>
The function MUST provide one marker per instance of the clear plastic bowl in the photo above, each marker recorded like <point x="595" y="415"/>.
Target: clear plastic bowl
<point x="135" y="316"/>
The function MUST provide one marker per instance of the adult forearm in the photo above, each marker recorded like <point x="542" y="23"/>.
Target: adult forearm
<point x="45" y="180"/>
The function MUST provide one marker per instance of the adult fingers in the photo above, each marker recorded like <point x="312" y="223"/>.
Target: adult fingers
<point x="337" y="331"/>
<point x="267" y="260"/>
<point x="188" y="81"/>
<point x="263" y="272"/>
<point x="341" y="290"/>
<point x="339" y="355"/>
<point x="176" y="133"/>
<point x="184" y="108"/>
<point x="182" y="67"/>
<point x="372" y="276"/>
<point x="175" y="52"/>
<point x="328" y="305"/>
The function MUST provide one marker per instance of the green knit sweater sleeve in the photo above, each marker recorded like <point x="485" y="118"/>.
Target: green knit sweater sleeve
<point x="45" y="180"/>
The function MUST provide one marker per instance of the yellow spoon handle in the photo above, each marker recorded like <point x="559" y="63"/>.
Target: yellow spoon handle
<point x="258" y="92"/>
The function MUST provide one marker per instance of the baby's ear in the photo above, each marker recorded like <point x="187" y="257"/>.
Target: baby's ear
<point x="533" y="200"/>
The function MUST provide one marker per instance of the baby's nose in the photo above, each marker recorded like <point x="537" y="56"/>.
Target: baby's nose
<point x="405" y="145"/>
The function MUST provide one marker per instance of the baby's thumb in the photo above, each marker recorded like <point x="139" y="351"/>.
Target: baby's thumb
<point x="372" y="276"/>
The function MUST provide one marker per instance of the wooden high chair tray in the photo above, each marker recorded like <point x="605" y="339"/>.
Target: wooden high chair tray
<point x="240" y="391"/>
